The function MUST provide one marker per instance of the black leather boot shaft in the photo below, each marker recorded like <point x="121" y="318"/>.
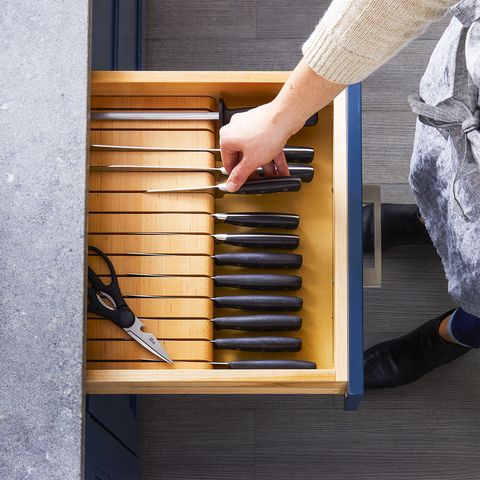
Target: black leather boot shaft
<point x="405" y="359"/>
<point x="401" y="225"/>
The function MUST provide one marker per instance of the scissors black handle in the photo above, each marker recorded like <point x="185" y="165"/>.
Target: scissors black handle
<point x="120" y="313"/>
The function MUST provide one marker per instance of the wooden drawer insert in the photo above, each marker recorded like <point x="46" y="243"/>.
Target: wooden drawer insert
<point x="122" y="220"/>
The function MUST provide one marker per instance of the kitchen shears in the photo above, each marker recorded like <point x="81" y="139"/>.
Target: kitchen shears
<point x="107" y="301"/>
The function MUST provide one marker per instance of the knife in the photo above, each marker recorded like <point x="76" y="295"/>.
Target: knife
<point x="259" y="219"/>
<point x="285" y="241"/>
<point x="258" y="323"/>
<point x="238" y="259"/>
<point x="224" y="115"/>
<point x="267" y="364"/>
<point x="252" y="187"/>
<point x="258" y="260"/>
<point x="248" y="281"/>
<point x="259" y="344"/>
<point x="304" y="172"/>
<point x="292" y="154"/>
<point x="261" y="303"/>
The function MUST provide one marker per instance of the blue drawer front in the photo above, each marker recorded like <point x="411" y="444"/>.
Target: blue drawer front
<point x="354" y="391"/>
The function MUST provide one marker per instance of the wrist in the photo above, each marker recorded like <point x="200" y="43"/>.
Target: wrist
<point x="286" y="119"/>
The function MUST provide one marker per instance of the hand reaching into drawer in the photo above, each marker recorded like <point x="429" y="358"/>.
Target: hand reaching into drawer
<point x="256" y="138"/>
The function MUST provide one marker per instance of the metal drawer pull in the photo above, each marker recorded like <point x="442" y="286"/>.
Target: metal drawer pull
<point x="372" y="276"/>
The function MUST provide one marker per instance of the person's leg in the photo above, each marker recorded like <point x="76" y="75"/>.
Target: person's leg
<point x="401" y="225"/>
<point x="461" y="327"/>
<point x="405" y="359"/>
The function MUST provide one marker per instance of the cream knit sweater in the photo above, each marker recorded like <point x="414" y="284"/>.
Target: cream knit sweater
<point x="355" y="37"/>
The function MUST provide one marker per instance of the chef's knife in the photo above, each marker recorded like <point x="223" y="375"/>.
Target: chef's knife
<point x="303" y="172"/>
<point x="252" y="187"/>
<point x="292" y="154"/>
<point x="259" y="344"/>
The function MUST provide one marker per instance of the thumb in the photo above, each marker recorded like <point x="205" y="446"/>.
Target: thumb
<point x="239" y="175"/>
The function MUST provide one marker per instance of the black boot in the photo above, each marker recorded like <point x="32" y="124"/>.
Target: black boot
<point x="405" y="359"/>
<point x="401" y="225"/>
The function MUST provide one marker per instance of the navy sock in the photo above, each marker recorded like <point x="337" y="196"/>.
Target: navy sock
<point x="464" y="328"/>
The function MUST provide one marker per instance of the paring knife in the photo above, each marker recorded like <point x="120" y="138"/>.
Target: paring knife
<point x="304" y="172"/>
<point x="258" y="323"/>
<point x="267" y="364"/>
<point x="241" y="259"/>
<point x="223" y="115"/>
<point x="260" y="303"/>
<point x="252" y="187"/>
<point x="248" y="281"/>
<point x="259" y="344"/>
<point x="292" y="154"/>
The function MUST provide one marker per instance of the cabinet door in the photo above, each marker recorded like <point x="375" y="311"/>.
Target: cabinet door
<point x="105" y="457"/>
<point x="118" y="414"/>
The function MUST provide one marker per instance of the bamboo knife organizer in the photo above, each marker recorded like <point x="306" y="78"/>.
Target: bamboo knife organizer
<point x="119" y="218"/>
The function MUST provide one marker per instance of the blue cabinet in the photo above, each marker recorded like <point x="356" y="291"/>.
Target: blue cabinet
<point x="111" y="438"/>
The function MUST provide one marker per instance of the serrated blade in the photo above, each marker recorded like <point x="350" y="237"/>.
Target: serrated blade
<point x="148" y="341"/>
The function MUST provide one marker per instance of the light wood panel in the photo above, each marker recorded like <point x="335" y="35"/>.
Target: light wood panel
<point x="171" y="307"/>
<point x="178" y="329"/>
<point x="154" y="265"/>
<point x="168" y="244"/>
<point x="172" y="136"/>
<point x="153" y="365"/>
<point x="112" y="102"/>
<point x="138" y="181"/>
<point x="221" y="381"/>
<point x="150" y="223"/>
<point x="131" y="350"/>
<point x="169" y="286"/>
<point x="145" y="202"/>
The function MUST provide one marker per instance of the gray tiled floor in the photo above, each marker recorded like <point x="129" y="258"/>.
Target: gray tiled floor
<point x="429" y="430"/>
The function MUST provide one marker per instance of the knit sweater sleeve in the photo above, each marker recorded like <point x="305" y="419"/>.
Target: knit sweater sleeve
<point x="355" y="37"/>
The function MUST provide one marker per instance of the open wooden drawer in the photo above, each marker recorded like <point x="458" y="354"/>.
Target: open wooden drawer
<point x="122" y="221"/>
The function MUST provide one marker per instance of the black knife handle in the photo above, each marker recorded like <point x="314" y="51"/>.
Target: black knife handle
<point x="259" y="281"/>
<point x="270" y="185"/>
<point x="258" y="323"/>
<point x="304" y="172"/>
<point x="258" y="260"/>
<point x="259" y="344"/>
<point x="226" y="114"/>
<point x="271" y="364"/>
<point x="262" y="303"/>
<point x="299" y="154"/>
<point x="263" y="220"/>
<point x="263" y="240"/>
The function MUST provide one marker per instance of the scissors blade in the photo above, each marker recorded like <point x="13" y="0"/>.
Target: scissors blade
<point x="148" y="341"/>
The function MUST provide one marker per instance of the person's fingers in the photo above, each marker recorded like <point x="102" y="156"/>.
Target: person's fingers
<point x="239" y="175"/>
<point x="229" y="153"/>
<point x="281" y="164"/>
<point x="269" y="169"/>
